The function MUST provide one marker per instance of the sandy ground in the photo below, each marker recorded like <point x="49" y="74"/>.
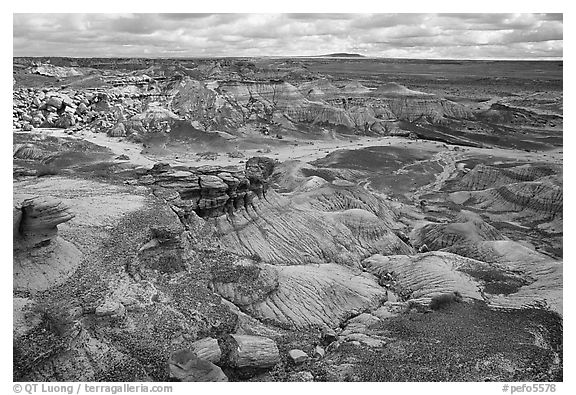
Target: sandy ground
<point x="303" y="151"/>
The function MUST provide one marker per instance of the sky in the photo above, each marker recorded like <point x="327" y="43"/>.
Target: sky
<point x="408" y="35"/>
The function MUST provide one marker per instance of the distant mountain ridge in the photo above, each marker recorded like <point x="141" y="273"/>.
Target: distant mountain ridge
<point x="343" y="55"/>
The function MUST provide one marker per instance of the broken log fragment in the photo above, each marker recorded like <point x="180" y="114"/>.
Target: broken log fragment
<point x="253" y="352"/>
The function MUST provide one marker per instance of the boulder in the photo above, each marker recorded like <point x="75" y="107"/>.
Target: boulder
<point x="328" y="335"/>
<point x="185" y="366"/>
<point x="319" y="352"/>
<point x="54" y="102"/>
<point x="119" y="130"/>
<point x="65" y="121"/>
<point x="81" y="109"/>
<point x="297" y="356"/>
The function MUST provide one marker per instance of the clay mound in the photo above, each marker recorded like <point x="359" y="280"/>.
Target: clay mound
<point x="315" y="94"/>
<point x="280" y="95"/>
<point x="428" y="108"/>
<point x="502" y="285"/>
<point x="483" y="176"/>
<point x="291" y="174"/>
<point x="354" y="88"/>
<point x="438" y="236"/>
<point x="392" y="89"/>
<point x="319" y="113"/>
<point x="311" y="183"/>
<point x="274" y="230"/>
<point x="319" y="295"/>
<point x="319" y="88"/>
<point x="45" y="267"/>
<point x="507" y="252"/>
<point x="543" y="200"/>
<point x="334" y="198"/>
<point x="546" y="284"/>
<point x="426" y="275"/>
<point x="503" y="114"/>
<point x="372" y="232"/>
<point x="41" y="258"/>
<point x="49" y="70"/>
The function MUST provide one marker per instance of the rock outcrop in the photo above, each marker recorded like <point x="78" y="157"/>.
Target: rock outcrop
<point x="41" y="258"/>
<point x="211" y="191"/>
<point x="253" y="220"/>
<point x="39" y="219"/>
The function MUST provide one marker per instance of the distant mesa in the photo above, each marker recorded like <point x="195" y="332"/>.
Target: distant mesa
<point x="342" y="55"/>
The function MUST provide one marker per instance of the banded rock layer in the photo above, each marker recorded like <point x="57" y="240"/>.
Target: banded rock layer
<point x="208" y="191"/>
<point x="501" y="284"/>
<point x="303" y="296"/>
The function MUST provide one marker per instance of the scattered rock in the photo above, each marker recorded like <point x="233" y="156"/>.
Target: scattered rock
<point x="328" y="335"/>
<point x="298" y="356"/>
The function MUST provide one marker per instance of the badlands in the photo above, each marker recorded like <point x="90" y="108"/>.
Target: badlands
<point x="275" y="219"/>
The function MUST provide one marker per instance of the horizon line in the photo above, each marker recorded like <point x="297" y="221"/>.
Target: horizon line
<point x="291" y="56"/>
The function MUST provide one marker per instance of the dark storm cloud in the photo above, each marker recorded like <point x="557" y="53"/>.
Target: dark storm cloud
<point x="386" y="35"/>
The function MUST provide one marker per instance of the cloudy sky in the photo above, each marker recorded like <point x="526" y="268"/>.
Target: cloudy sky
<point x="467" y="36"/>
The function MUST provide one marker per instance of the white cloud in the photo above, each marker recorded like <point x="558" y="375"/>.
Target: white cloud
<point x="386" y="35"/>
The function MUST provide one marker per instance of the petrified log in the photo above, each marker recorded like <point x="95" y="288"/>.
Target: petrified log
<point x="184" y="365"/>
<point x="207" y="349"/>
<point x="253" y="352"/>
